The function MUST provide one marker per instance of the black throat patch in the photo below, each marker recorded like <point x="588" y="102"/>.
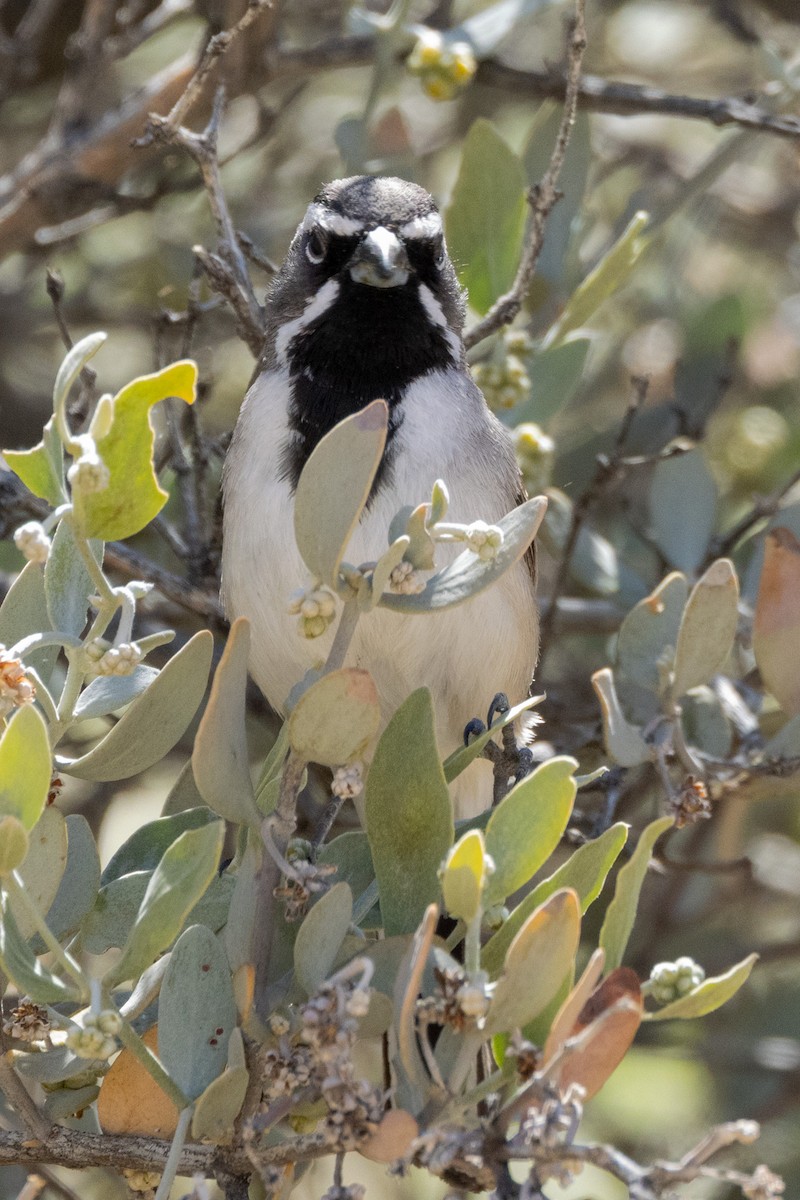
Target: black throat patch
<point x="369" y="345"/>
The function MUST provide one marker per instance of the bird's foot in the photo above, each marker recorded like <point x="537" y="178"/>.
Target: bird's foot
<point x="511" y="762"/>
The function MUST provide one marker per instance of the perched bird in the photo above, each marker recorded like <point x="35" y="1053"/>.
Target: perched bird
<point x="367" y="305"/>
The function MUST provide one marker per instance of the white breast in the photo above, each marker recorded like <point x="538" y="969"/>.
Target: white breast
<point x="464" y="655"/>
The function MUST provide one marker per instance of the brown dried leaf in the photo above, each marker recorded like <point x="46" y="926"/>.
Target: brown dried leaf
<point x="776" y="624"/>
<point x="612" y="1015"/>
<point x="393" y="1137"/>
<point x="131" y="1101"/>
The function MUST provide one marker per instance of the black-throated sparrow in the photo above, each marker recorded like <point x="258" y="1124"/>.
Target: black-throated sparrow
<point x="367" y="305"/>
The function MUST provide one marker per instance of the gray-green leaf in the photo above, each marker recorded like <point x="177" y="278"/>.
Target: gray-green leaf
<point x="320" y="936"/>
<point x="621" y="912"/>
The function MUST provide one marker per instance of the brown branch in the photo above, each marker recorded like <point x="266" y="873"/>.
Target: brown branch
<point x="763" y="507"/>
<point x="542" y="198"/>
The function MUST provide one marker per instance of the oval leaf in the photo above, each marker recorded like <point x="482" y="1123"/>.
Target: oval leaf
<point x="220" y="759"/>
<point x="611" y="1018"/>
<point x="464" y="876"/>
<point x="409" y="814"/>
<point x="108" y="693"/>
<point x="143" y="850"/>
<point x="220" y="1104"/>
<point x="133" y="495"/>
<point x="709" y="995"/>
<point x="67" y="582"/>
<point x="336" y="718"/>
<point x="196" y="1011"/>
<point x="538" y="959"/>
<point x="683" y="508"/>
<point x="77" y="891"/>
<point x="44" y="866"/>
<point x="23" y="613"/>
<point x="525" y="828"/>
<point x="330" y="497"/>
<point x="776" y="624"/>
<point x="151" y="726"/>
<point x="41" y="468"/>
<point x="708" y="627"/>
<point x="25" y="766"/>
<point x="649" y="629"/>
<point x="131" y="1101"/>
<point x="320" y="936"/>
<point x="621" y="912"/>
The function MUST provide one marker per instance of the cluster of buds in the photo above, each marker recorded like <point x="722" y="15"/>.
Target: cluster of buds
<point x="97" y="1037"/>
<point x="444" y="67"/>
<point x="28" y="1022"/>
<point x="406" y="580"/>
<point x="306" y="880"/>
<point x="315" y="610"/>
<point x="105" y="659"/>
<point x="503" y="377"/>
<point x="671" y="980"/>
<point x="88" y="472"/>
<point x="15" y="687"/>
<point x="347" y="782"/>
<point x="32" y="541"/>
<point x="535" y="454"/>
<point x="692" y="803"/>
<point x="763" y="1185"/>
<point x="484" y="540"/>
<point x="554" y="1117"/>
<point x="318" y="1060"/>
<point x="459" y="1000"/>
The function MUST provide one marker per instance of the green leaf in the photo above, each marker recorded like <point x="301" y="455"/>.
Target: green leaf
<point x="331" y="496"/>
<point x="41" y="468"/>
<point x="611" y="273"/>
<point x="43" y="869"/>
<point x="14" y="844"/>
<point x="220" y="1104"/>
<point x="67" y="583"/>
<point x="68" y="1101"/>
<point x="271" y="770"/>
<point x="108" y="693"/>
<point x="196" y="1011"/>
<point x="649" y="629"/>
<point x="683" y="509"/>
<point x="594" y="563"/>
<point x="144" y="849"/>
<point x="526" y="826"/>
<point x="469" y="574"/>
<point x="80" y="883"/>
<point x="621" y="912"/>
<point x="320" y="936"/>
<point x="220" y="759"/>
<point x="19" y="963"/>
<point x="623" y="741"/>
<point x="117" y="905"/>
<point x="133" y="495"/>
<point x="539" y="957"/>
<point x="555" y="375"/>
<point x="705" y="723"/>
<point x="585" y="872"/>
<point x="151" y="726"/>
<point x="351" y="855"/>
<point x="460" y="759"/>
<point x="178" y="882"/>
<point x="334" y="721"/>
<point x="464" y="876"/>
<point x="238" y="935"/>
<point x="23" y="613"/>
<point x="485" y="221"/>
<point x="25" y="766"/>
<point x="710" y="995"/>
<point x="409" y="814"/>
<point x="708" y="627"/>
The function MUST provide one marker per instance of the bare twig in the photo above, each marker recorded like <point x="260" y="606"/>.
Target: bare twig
<point x="542" y="198"/>
<point x="88" y="375"/>
<point x="36" y="1124"/>
<point x="763" y="507"/>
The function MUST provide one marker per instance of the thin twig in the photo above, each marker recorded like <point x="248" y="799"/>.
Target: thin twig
<point x="763" y="507"/>
<point x="542" y="198"/>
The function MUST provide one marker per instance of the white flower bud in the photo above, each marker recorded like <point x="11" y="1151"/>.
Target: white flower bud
<point x="347" y="782"/>
<point x="89" y="473"/>
<point x="109" y="1022"/>
<point x="316" y="610"/>
<point x="32" y="541"/>
<point x="472" y="1000"/>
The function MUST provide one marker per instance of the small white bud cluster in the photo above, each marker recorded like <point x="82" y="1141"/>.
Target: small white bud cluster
<point x="316" y="610"/>
<point x="348" y="782"/>
<point x="105" y="659"/>
<point x="496" y="916"/>
<point x="473" y="999"/>
<point x="141" y="1181"/>
<point x="671" y="980"/>
<point x="28" y="1022"/>
<point x="406" y="580"/>
<point x="32" y="541"/>
<point x="96" y="1038"/>
<point x="504" y="378"/>
<point x="89" y="473"/>
<point x="15" y="687"/>
<point x="484" y="540"/>
<point x="535" y="454"/>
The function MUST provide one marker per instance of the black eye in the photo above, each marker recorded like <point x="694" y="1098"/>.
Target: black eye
<point x="316" y="246"/>
<point x="439" y="252"/>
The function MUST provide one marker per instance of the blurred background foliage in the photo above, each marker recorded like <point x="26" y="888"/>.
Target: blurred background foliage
<point x="708" y="309"/>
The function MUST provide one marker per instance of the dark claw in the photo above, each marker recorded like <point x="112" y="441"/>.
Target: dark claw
<point x="498" y="708"/>
<point x="473" y="728"/>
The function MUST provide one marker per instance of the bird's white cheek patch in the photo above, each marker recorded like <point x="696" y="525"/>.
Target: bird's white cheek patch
<point x="434" y="310"/>
<point x="315" y="307"/>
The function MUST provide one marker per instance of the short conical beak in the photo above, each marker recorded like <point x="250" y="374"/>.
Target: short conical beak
<point x="380" y="260"/>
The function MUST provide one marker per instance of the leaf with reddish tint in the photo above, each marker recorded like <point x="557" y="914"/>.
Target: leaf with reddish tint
<point x="610" y="1018"/>
<point x="393" y="1137"/>
<point x="131" y="1101"/>
<point x="776" y="625"/>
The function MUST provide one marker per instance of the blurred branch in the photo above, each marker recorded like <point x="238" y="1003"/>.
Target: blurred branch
<point x="763" y="507"/>
<point x="543" y="197"/>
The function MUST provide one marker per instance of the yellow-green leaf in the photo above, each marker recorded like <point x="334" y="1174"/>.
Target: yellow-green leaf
<point x="133" y="495"/>
<point x="709" y="995"/>
<point x="13" y="844"/>
<point x="41" y="468"/>
<point x="336" y="718"/>
<point x="621" y="912"/>
<point x="25" y="766"/>
<point x="707" y="628"/>
<point x="464" y="876"/>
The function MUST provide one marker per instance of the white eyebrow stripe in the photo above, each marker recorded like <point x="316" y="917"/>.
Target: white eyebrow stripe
<point x="422" y="227"/>
<point x="331" y="221"/>
<point x="434" y="310"/>
<point x="315" y="307"/>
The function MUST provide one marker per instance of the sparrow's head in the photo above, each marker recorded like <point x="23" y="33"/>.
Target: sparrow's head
<point x="369" y="262"/>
